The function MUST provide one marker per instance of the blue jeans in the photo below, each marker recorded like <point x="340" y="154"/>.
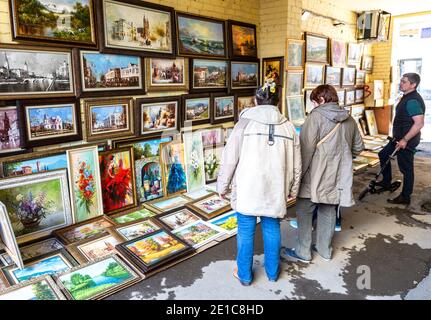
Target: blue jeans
<point x="245" y="243"/>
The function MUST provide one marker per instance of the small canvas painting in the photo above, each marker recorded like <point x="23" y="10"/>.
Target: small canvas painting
<point x="244" y="75"/>
<point x="194" y="158"/>
<point x="209" y="74"/>
<point x="122" y="218"/>
<point x="37" y="165"/>
<point x="138" y="229"/>
<point x="223" y="107"/>
<point x="98" y="248"/>
<point x="174" y="168"/>
<point x="244" y="41"/>
<point x="227" y="222"/>
<point x="157" y="117"/>
<point x="10" y="135"/>
<point x="198" y="233"/>
<point x="197" y="109"/>
<point x="179" y="218"/>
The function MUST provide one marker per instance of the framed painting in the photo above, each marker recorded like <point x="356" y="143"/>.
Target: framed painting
<point x="209" y="207"/>
<point x="212" y="136"/>
<point x="227" y="132"/>
<point x="223" y="108"/>
<point x="132" y="215"/>
<point x="349" y="76"/>
<point x="84" y="230"/>
<point x="295" y="109"/>
<point x="295" y="54"/>
<point x="40" y="248"/>
<point x="308" y="103"/>
<point x="36" y="204"/>
<point x="242" y="102"/>
<point x="371" y="122"/>
<point x="148" y="172"/>
<point x="109" y="118"/>
<point x="242" y="40"/>
<point x="136" y="27"/>
<point x="95" y="248"/>
<point x="209" y="75"/>
<point x="341" y="97"/>
<point x="273" y="69"/>
<point x="167" y="204"/>
<point x="173" y="168"/>
<point x="50" y="264"/>
<point x="103" y="74"/>
<point x="63" y="23"/>
<point x="199" y="233"/>
<point x="36" y="289"/>
<point x="158" y="116"/>
<point x="202" y="193"/>
<point x="194" y="160"/>
<point x="367" y="63"/>
<point x="200" y="36"/>
<point x="333" y="76"/>
<point x="355" y="53"/>
<point x="212" y="162"/>
<point x="84" y="183"/>
<point x="228" y="222"/>
<point x="359" y="95"/>
<point x="164" y="74"/>
<point x="196" y="109"/>
<point x="294" y="82"/>
<point x="118" y="180"/>
<point x="244" y="75"/>
<point x="350" y="96"/>
<point x="7" y="236"/>
<point x="338" y="53"/>
<point x="316" y="48"/>
<point x="12" y="140"/>
<point x="155" y="249"/>
<point x="178" y="218"/>
<point x="314" y="75"/>
<point x="360" y="77"/>
<point x="133" y="230"/>
<point x="30" y="72"/>
<point x="97" y="279"/>
<point x="51" y="121"/>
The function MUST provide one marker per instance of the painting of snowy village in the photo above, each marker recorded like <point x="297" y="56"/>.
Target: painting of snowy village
<point x="59" y="20"/>
<point x="50" y="121"/>
<point x="137" y="27"/>
<point x="116" y="72"/>
<point x="29" y="72"/>
<point x="200" y="36"/>
<point x="10" y="137"/>
<point x="244" y="75"/>
<point x="209" y="74"/>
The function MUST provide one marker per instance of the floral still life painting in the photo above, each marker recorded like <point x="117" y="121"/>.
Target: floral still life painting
<point x="194" y="158"/>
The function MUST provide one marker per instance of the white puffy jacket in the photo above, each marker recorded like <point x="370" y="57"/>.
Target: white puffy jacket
<point x="262" y="162"/>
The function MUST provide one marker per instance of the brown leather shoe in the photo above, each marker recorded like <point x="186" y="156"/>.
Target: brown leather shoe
<point x="399" y="200"/>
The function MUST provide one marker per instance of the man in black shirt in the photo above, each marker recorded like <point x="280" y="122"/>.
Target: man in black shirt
<point x="406" y="130"/>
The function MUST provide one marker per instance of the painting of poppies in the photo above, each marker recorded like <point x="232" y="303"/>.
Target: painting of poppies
<point x="118" y="180"/>
<point x="173" y="166"/>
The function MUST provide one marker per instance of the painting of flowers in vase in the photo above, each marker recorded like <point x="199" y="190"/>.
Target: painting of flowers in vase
<point x="84" y="180"/>
<point x="194" y="157"/>
<point x="118" y="180"/>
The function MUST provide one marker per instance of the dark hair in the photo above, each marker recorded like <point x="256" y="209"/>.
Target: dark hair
<point x="325" y="91"/>
<point x="413" y="78"/>
<point x="265" y="96"/>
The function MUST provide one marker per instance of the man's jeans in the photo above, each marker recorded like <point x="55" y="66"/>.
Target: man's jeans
<point x="405" y="160"/>
<point x="245" y="243"/>
<point x="326" y="216"/>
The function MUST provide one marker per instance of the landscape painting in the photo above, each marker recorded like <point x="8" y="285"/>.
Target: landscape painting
<point x="244" y="75"/>
<point x="167" y="74"/>
<point x="194" y="158"/>
<point x="158" y="116"/>
<point x="169" y="204"/>
<point x="295" y="109"/>
<point x="228" y="222"/>
<point x="36" y="204"/>
<point x="36" y="165"/>
<point x="25" y="73"/>
<point x="98" y="248"/>
<point x="333" y="76"/>
<point x="96" y="279"/>
<point x="40" y="248"/>
<point x="138" y="229"/>
<point x="55" y="20"/>
<point x="208" y="74"/>
<point x="316" y="48"/>
<point x="349" y="75"/>
<point x="314" y="75"/>
<point x="122" y="218"/>
<point x="101" y="72"/>
<point x="174" y="168"/>
<point x="41" y="289"/>
<point x="223" y="108"/>
<point x="198" y="234"/>
<point x="197" y="109"/>
<point x="85" y="231"/>
<point x="11" y="139"/>
<point x="210" y="206"/>
<point x="179" y="218"/>
<point x="244" y="43"/>
<point x="118" y="179"/>
<point x="84" y="179"/>
<point x="134" y="26"/>
<point x="200" y="36"/>
<point x="295" y="54"/>
<point x="294" y="83"/>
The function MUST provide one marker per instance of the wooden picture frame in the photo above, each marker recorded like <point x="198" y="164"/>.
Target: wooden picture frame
<point x="189" y="110"/>
<point x="295" y="58"/>
<point x="141" y="25"/>
<point x="314" y="75"/>
<point x="169" y="105"/>
<point x="225" y="222"/>
<point x="177" y="218"/>
<point x="367" y="63"/>
<point x="295" y="113"/>
<point x="333" y="76"/>
<point x="244" y="80"/>
<point x="132" y="215"/>
<point x="350" y="97"/>
<point x="126" y="77"/>
<point x="36" y="72"/>
<point x="17" y="291"/>
<point x="273" y="68"/>
<point x="223" y="108"/>
<point x="338" y="53"/>
<point x="294" y="82"/>
<point x="237" y="31"/>
<point x="197" y="206"/>
<point x="242" y="101"/>
<point x="40" y="248"/>
<point x="206" y="231"/>
<point x="360" y="77"/>
<point x="341" y="97"/>
<point x="183" y="21"/>
<point x="202" y="71"/>
<point x="58" y="119"/>
<point x="355" y="52"/>
<point x="129" y="231"/>
<point x="314" y="52"/>
<point x="12" y="133"/>
<point x="173" y="202"/>
<point x="359" y="95"/>
<point x="173" y="153"/>
<point x="348" y="77"/>
<point x="167" y="73"/>
<point x="115" y="113"/>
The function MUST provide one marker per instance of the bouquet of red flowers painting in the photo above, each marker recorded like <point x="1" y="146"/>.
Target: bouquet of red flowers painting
<point x="86" y="187"/>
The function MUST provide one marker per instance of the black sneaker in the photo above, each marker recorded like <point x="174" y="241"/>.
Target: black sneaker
<point x="383" y="186"/>
<point x="399" y="200"/>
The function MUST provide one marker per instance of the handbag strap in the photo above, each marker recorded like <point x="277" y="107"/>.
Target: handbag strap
<point x="329" y="134"/>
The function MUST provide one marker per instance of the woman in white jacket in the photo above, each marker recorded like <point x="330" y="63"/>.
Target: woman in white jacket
<point x="262" y="164"/>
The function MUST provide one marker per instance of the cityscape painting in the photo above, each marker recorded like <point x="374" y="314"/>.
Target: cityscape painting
<point x="64" y="21"/>
<point x="35" y="165"/>
<point x="30" y="73"/>
<point x="209" y="74"/>
<point x="223" y="109"/>
<point x="133" y="25"/>
<point x="243" y="40"/>
<point x="244" y="75"/>
<point x="100" y="72"/>
<point x="196" y="110"/>
<point x="167" y="74"/>
<point x="200" y="36"/>
<point x="10" y="133"/>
